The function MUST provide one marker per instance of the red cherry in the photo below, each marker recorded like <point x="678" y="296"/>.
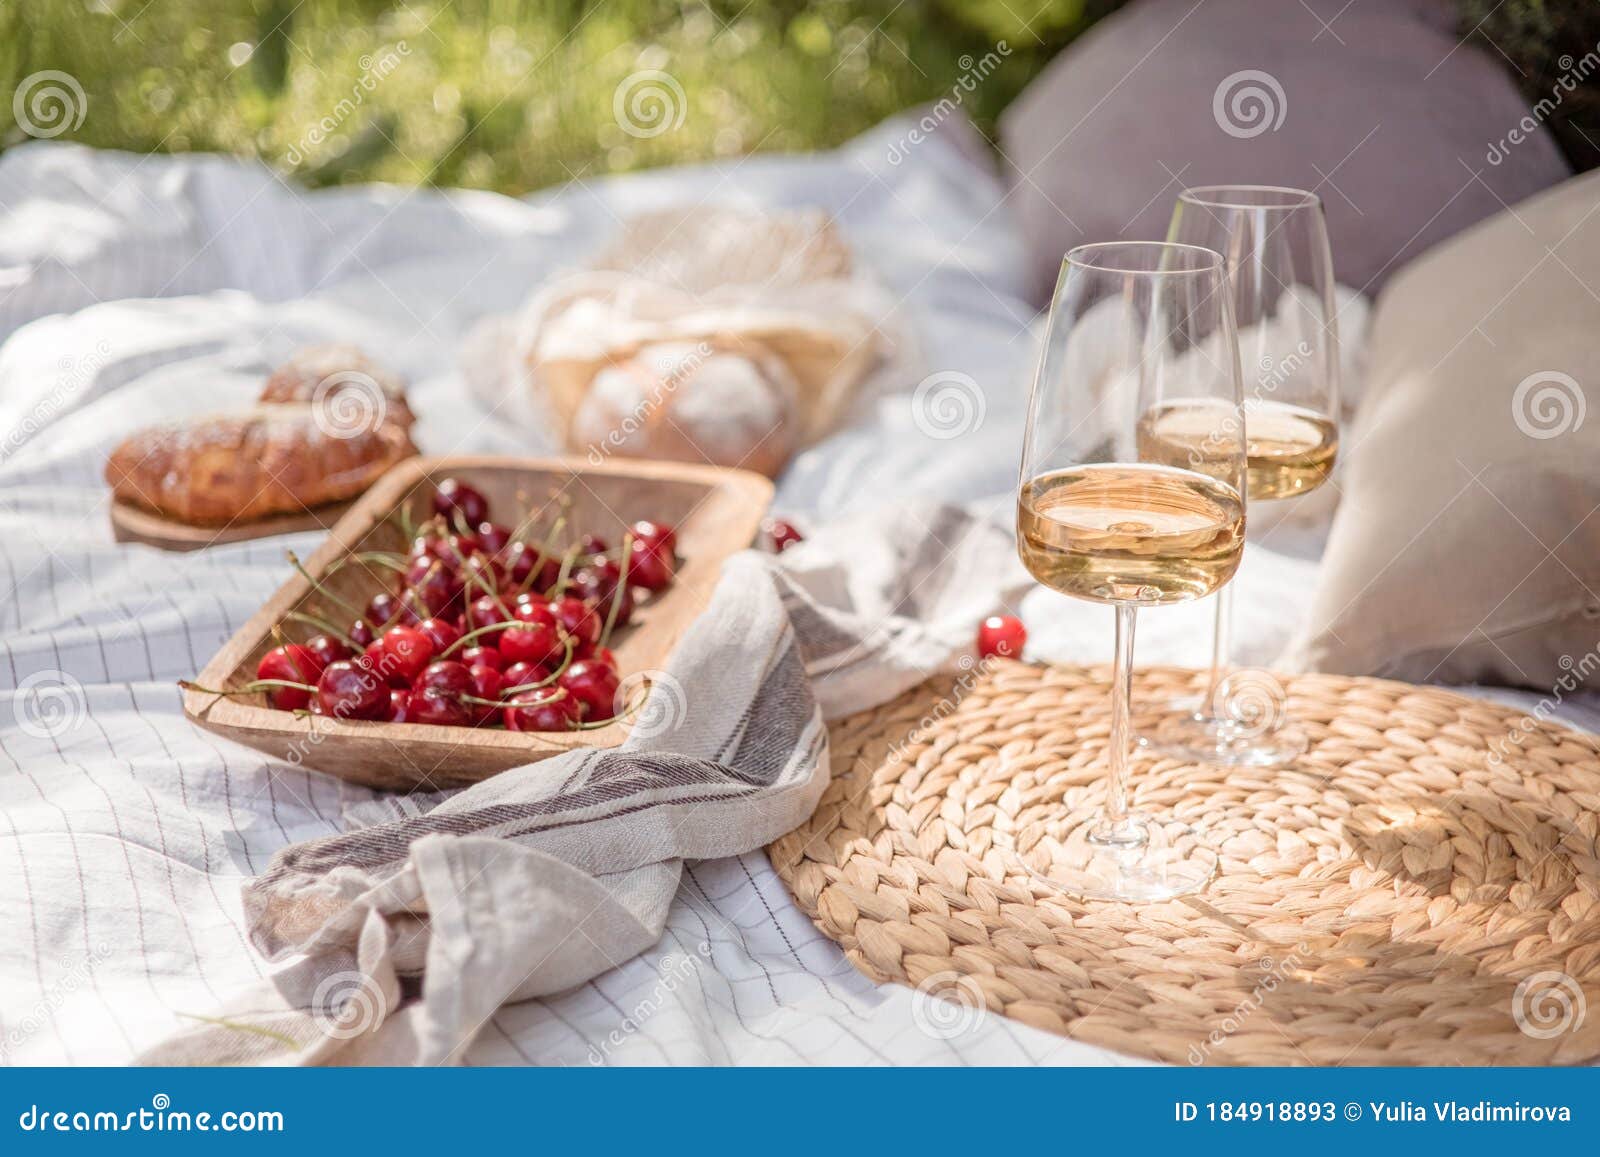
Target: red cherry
<point x="592" y="544"/>
<point x="404" y="652"/>
<point x="650" y="567"/>
<point x="349" y="689"/>
<point x="600" y="596"/>
<point x="780" y="535"/>
<point x="397" y="704"/>
<point x="487" y="683"/>
<point x="484" y="611"/>
<point x="1002" y="635"/>
<point x="442" y="634"/>
<point x="446" y="675"/>
<point x="493" y="537"/>
<point x="655" y="535"/>
<point x="361" y="633"/>
<point x="455" y="495"/>
<point x="604" y="655"/>
<point x="593" y="685"/>
<point x="292" y="663"/>
<point x="484" y="657"/>
<point x="577" y="619"/>
<point x="519" y="559"/>
<point x="547" y="709"/>
<point x="384" y="608"/>
<point x="326" y="649"/>
<point x="440" y="708"/>
<point x="521" y="674"/>
<point x="537" y="642"/>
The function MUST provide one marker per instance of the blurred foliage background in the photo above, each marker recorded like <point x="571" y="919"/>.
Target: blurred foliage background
<point x="512" y="95"/>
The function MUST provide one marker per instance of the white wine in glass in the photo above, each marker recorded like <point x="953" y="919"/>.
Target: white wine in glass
<point x="1135" y="329"/>
<point x="1280" y="282"/>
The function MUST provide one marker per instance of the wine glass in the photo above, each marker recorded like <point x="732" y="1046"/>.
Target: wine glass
<point x="1280" y="273"/>
<point x="1136" y="329"/>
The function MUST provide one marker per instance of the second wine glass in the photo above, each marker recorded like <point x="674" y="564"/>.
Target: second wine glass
<point x="1280" y="282"/>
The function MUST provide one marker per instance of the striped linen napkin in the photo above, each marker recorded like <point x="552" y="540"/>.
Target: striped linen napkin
<point x="401" y="937"/>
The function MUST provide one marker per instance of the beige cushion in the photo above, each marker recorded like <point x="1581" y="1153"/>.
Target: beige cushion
<point x="1467" y="545"/>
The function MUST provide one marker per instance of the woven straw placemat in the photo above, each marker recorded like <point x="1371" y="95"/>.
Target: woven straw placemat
<point x="1422" y="887"/>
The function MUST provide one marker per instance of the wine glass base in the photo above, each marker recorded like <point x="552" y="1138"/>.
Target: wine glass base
<point x="1201" y="738"/>
<point x="1141" y="860"/>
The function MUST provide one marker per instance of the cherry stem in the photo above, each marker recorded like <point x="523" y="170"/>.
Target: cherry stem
<point x="621" y="591"/>
<point x="294" y="561"/>
<point x="254" y="687"/>
<point x="473" y="634"/>
<point x="528" y="580"/>
<point x="567" y="560"/>
<point x="324" y="626"/>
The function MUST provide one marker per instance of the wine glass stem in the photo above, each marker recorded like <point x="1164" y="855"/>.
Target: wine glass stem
<point x="1115" y="827"/>
<point x="1219" y="652"/>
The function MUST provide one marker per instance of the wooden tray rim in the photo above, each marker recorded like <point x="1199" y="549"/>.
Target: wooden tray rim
<point x="224" y="715"/>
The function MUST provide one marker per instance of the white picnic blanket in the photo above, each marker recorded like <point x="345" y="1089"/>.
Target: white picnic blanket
<point x="138" y="288"/>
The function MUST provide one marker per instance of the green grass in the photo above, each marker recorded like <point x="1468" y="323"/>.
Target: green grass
<point x="510" y="96"/>
<point x="513" y="96"/>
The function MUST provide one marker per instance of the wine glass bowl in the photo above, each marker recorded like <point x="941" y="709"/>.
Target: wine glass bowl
<point x="1135" y="329"/>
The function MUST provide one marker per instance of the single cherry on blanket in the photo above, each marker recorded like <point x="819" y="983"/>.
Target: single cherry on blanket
<point x="780" y="535"/>
<point x="1003" y="636"/>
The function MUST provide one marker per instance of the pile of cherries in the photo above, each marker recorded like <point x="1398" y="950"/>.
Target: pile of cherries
<point x="479" y="626"/>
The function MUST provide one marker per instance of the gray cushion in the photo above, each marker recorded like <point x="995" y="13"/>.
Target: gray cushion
<point x="1383" y="113"/>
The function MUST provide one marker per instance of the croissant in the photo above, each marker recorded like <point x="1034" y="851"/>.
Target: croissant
<point x="351" y="387"/>
<point x="240" y="467"/>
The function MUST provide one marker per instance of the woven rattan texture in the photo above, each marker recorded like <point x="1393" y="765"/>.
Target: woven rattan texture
<point x="1422" y="887"/>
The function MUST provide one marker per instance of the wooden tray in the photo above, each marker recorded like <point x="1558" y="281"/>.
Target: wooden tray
<point x="131" y="524"/>
<point x="716" y="512"/>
